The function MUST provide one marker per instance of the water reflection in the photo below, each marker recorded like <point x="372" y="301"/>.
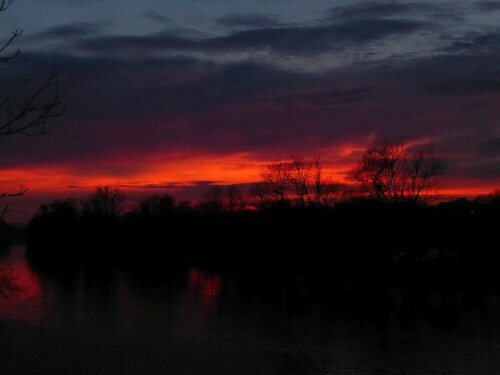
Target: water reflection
<point x="28" y="301"/>
<point x="205" y="284"/>
<point x="197" y="304"/>
<point x="106" y="296"/>
<point x="196" y="321"/>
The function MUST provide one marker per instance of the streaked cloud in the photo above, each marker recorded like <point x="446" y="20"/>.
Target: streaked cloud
<point x="386" y="9"/>
<point x="248" y="20"/>
<point x="157" y="17"/>
<point x="72" y="31"/>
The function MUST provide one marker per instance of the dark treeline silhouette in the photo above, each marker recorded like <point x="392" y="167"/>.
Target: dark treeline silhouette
<point x="354" y="238"/>
<point x="297" y="221"/>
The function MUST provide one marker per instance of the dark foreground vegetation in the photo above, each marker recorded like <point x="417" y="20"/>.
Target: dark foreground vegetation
<point x="455" y="242"/>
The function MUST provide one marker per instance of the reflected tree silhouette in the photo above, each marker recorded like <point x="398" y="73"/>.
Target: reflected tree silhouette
<point x="8" y="285"/>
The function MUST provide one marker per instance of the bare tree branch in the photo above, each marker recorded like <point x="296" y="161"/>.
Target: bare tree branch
<point x="30" y="116"/>
<point x="298" y="180"/>
<point x="106" y="202"/>
<point x="4" y="4"/>
<point x="276" y="176"/>
<point x="27" y="116"/>
<point x="14" y="35"/>
<point x="299" y="177"/>
<point x="20" y="192"/>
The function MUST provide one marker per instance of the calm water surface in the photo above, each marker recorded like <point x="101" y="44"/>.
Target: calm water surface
<point x="202" y="322"/>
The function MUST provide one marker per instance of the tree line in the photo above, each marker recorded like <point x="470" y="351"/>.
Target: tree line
<point x="388" y="171"/>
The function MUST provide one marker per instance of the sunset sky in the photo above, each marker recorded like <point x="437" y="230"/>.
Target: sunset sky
<point x="173" y="96"/>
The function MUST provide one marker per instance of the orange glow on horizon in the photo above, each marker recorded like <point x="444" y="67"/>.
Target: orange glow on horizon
<point x="179" y="171"/>
<point x="231" y="169"/>
<point x="469" y="192"/>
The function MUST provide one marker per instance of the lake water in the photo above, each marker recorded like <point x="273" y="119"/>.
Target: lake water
<point x="197" y="321"/>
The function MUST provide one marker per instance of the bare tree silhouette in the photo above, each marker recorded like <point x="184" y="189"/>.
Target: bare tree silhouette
<point x="299" y="176"/>
<point x="299" y="180"/>
<point x="259" y="194"/>
<point x="219" y="198"/>
<point x="388" y="172"/>
<point x="28" y="115"/>
<point x="424" y="168"/>
<point x="213" y="199"/>
<point x="105" y="202"/>
<point x="276" y="177"/>
<point x="18" y="193"/>
<point x="324" y="189"/>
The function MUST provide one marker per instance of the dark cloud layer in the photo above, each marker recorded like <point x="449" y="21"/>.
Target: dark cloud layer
<point x="487" y="6"/>
<point x="314" y="39"/>
<point x="466" y="87"/>
<point x="128" y="97"/>
<point x="488" y="42"/>
<point x="383" y="9"/>
<point x="482" y="169"/>
<point x="153" y="105"/>
<point x="248" y="20"/>
<point x="490" y="147"/>
<point x="343" y="28"/>
<point x="296" y="40"/>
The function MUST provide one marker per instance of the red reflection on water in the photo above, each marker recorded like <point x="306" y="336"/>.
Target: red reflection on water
<point x="207" y="285"/>
<point x="26" y="301"/>
<point x="198" y="302"/>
